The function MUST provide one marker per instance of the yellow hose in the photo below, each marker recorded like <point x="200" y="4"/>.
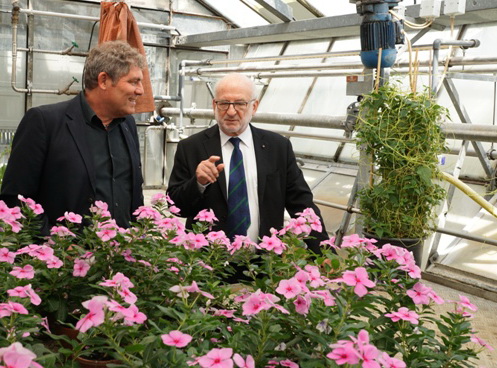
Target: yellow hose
<point x="471" y="194"/>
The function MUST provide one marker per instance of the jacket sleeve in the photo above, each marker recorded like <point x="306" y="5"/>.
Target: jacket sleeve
<point x="27" y="158"/>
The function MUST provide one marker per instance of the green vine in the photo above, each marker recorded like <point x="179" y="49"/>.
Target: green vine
<point x="401" y="132"/>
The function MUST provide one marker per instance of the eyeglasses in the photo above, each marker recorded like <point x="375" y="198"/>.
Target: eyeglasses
<point x="237" y="105"/>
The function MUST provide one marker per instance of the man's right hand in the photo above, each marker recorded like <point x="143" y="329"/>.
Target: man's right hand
<point x="207" y="171"/>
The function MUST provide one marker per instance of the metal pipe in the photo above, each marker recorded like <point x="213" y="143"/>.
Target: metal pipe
<point x="13" y="79"/>
<point x="316" y="121"/>
<point x="166" y="98"/>
<point x="436" y="48"/>
<point x="456" y="61"/>
<point x="93" y="19"/>
<point x="54" y="52"/>
<point x="473" y="132"/>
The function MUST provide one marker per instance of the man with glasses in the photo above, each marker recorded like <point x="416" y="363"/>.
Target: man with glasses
<point x="248" y="177"/>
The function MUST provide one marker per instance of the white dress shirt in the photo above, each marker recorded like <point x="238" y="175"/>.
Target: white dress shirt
<point x="250" y="166"/>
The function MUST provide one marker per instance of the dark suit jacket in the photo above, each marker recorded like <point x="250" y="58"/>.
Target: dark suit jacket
<point x="51" y="162"/>
<point x="281" y="184"/>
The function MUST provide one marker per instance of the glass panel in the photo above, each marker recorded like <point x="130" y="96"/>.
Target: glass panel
<point x="237" y="12"/>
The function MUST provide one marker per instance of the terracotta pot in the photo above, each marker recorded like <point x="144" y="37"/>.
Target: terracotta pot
<point x="58" y="329"/>
<point x="88" y="363"/>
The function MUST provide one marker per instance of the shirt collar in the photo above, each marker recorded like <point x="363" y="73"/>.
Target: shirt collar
<point x="245" y="137"/>
<point x="91" y="117"/>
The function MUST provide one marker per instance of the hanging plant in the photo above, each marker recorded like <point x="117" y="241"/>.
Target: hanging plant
<point x="401" y="132"/>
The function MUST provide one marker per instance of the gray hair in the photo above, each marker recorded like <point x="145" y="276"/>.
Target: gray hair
<point x="239" y="79"/>
<point x="114" y="58"/>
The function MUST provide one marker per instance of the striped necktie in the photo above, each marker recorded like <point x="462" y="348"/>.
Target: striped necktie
<point x="238" y="208"/>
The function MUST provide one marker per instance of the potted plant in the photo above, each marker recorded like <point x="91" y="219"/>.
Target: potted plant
<point x="400" y="131"/>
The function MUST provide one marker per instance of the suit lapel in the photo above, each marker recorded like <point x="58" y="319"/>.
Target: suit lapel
<point x="76" y="125"/>
<point x="212" y="145"/>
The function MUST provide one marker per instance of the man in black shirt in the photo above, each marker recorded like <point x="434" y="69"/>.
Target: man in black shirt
<point x="70" y="154"/>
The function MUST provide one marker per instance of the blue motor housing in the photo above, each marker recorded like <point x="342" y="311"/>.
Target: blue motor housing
<point x="378" y="30"/>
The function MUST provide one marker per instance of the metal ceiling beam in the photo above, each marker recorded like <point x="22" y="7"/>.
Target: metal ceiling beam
<point x="481" y="11"/>
<point x="277" y="8"/>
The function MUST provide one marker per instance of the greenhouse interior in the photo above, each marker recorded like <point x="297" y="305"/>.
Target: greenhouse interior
<point x="317" y="67"/>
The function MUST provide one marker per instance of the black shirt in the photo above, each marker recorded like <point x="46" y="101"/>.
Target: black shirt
<point x="112" y="164"/>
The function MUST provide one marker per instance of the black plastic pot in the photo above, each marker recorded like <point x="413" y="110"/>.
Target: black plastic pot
<point x="414" y="245"/>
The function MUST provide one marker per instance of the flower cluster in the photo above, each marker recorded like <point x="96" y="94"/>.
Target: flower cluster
<point x="157" y="295"/>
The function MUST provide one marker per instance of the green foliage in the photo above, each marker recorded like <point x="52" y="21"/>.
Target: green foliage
<point x="401" y="133"/>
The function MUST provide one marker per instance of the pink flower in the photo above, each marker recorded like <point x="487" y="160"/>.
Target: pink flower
<point x="344" y="353"/>
<point x="54" y="262"/>
<point x="61" y="231"/>
<point x="128" y="296"/>
<point x="145" y="212"/>
<point x="464" y="302"/>
<point x="314" y="276"/>
<point x="26" y="272"/>
<point x="24" y="292"/>
<point x="100" y="208"/>
<point x="217" y="358"/>
<point x="6" y="309"/>
<point x="206" y="266"/>
<point x="389" y="362"/>
<point x="420" y="294"/>
<point x="481" y="342"/>
<point x="158" y="199"/>
<point x="96" y="314"/>
<point x="81" y="268"/>
<point x="107" y="231"/>
<point x="247" y="363"/>
<point x="289" y="288"/>
<point x="71" y="217"/>
<point x="133" y="315"/>
<point x="328" y="299"/>
<point x="7" y="256"/>
<point x="193" y="288"/>
<point x="254" y="304"/>
<point x="272" y="244"/>
<point x="206" y="216"/>
<point x="225" y="313"/>
<point x="358" y="278"/>
<point x="16" y="356"/>
<point x="288" y="363"/>
<point x="302" y="304"/>
<point x="404" y="314"/>
<point x="176" y="338"/>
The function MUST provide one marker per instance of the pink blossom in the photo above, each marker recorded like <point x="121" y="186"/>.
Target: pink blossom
<point x="16" y="356"/>
<point x="96" y="314"/>
<point x="389" y="362"/>
<point x="481" y="342"/>
<point x="81" y="268"/>
<point x="128" y="296"/>
<point x="6" y="309"/>
<point x="42" y="252"/>
<point x="314" y="276"/>
<point x="71" y="217"/>
<point x="225" y="313"/>
<point x="158" y="199"/>
<point x="174" y="209"/>
<point x="176" y="338"/>
<point x="145" y="212"/>
<point x="272" y="244"/>
<point x="328" y="299"/>
<point x="302" y="304"/>
<point x="302" y="277"/>
<point x="26" y="272"/>
<point x="206" y="216"/>
<point x="420" y="294"/>
<point x="254" y="304"/>
<point x="54" y="262"/>
<point x="404" y="314"/>
<point x="412" y="269"/>
<point x="241" y="241"/>
<point x="359" y="279"/>
<point x="288" y="363"/>
<point x="25" y="292"/>
<point x="127" y="256"/>
<point x="368" y="353"/>
<point x="464" y="302"/>
<point x="217" y="358"/>
<point x="244" y="363"/>
<point x="297" y="226"/>
<point x="289" y="288"/>
<point x="7" y="256"/>
<point x="344" y="353"/>
<point x="193" y="288"/>
<point x="100" y="208"/>
<point x="61" y="231"/>
<point x="133" y="315"/>
<point x="206" y="266"/>
<point x="191" y="241"/>
<point x="107" y="231"/>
